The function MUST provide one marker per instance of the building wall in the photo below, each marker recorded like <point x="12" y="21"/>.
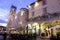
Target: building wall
<point x="39" y="9"/>
<point x="14" y="23"/>
<point x="18" y="19"/>
<point x="51" y="6"/>
<point x="11" y="19"/>
<point x="22" y="17"/>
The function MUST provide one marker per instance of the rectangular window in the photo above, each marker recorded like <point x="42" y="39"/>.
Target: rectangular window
<point x="44" y="2"/>
<point x="45" y="10"/>
<point x="32" y="13"/>
<point x="32" y="7"/>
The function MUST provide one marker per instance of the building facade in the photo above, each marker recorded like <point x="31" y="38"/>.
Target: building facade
<point x="22" y="17"/>
<point x="43" y="14"/>
<point x="42" y="7"/>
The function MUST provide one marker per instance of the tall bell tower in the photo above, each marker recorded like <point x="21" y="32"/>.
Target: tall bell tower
<point x="11" y="17"/>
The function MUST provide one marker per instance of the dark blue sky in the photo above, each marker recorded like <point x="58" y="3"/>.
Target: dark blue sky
<point x="6" y="4"/>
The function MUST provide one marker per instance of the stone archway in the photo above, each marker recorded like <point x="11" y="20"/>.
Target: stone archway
<point x="44" y="25"/>
<point x="55" y="22"/>
<point x="45" y="28"/>
<point x="29" y="28"/>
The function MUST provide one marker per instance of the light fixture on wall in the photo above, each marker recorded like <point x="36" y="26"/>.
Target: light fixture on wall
<point x="36" y="4"/>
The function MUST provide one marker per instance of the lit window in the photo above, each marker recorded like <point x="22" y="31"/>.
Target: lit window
<point x="44" y="2"/>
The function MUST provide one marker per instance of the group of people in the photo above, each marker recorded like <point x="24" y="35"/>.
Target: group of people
<point x="22" y="36"/>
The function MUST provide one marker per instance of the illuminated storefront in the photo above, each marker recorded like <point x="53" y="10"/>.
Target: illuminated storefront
<point x="33" y="28"/>
<point x="56" y="27"/>
<point x="45" y="28"/>
<point x="36" y="27"/>
<point x="29" y="29"/>
<point x="44" y="25"/>
<point x="55" y="22"/>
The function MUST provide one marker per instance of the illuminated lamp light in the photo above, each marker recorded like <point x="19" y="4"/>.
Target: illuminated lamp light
<point x="36" y="25"/>
<point x="33" y="30"/>
<point x="29" y="6"/>
<point x="29" y="26"/>
<point x="36" y="4"/>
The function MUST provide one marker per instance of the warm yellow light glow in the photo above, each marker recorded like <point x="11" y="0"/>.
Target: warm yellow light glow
<point x="36" y="25"/>
<point x="22" y="13"/>
<point x="44" y="25"/>
<point x="21" y="22"/>
<point x="56" y="22"/>
<point x="15" y="17"/>
<point x="36" y="4"/>
<point x="29" y="26"/>
<point x="29" y="6"/>
<point x="47" y="29"/>
<point x="42" y="28"/>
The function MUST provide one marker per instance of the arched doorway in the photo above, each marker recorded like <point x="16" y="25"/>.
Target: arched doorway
<point x="35" y="27"/>
<point x="55" y="22"/>
<point x="45" y="28"/>
<point x="29" y="28"/>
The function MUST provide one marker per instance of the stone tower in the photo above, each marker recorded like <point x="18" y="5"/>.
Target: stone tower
<point x="11" y="17"/>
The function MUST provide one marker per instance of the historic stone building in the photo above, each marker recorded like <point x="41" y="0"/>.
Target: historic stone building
<point x="39" y="17"/>
<point x="11" y="20"/>
<point x="44" y="14"/>
<point x="22" y="17"/>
